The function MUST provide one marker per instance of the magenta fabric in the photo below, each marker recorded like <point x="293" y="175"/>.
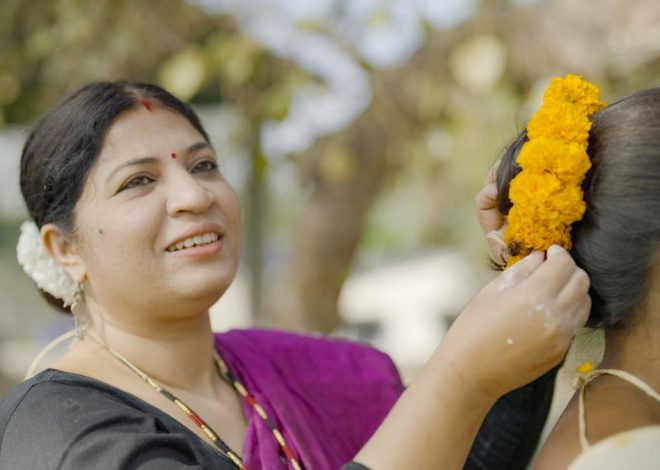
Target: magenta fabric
<point x="326" y="396"/>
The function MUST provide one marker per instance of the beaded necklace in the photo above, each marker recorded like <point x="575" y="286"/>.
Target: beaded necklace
<point x="231" y="379"/>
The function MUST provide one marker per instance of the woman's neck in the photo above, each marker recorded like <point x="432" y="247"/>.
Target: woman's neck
<point x="175" y="353"/>
<point x="635" y="347"/>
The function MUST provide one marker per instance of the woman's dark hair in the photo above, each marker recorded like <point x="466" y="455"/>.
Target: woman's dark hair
<point x="64" y="144"/>
<point x="617" y="240"/>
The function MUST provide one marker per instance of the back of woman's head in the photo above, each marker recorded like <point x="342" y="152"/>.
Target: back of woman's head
<point x="617" y="240"/>
<point x="65" y="143"/>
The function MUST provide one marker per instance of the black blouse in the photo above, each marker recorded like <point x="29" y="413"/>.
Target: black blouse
<point x="80" y="423"/>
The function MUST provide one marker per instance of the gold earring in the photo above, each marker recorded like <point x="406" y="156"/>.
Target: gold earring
<point x="79" y="311"/>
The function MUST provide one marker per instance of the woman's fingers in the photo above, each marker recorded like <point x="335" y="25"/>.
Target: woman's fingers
<point x="575" y="298"/>
<point x="576" y="287"/>
<point x="491" y="220"/>
<point x="519" y="272"/>
<point x="582" y="313"/>
<point x="491" y="177"/>
<point x="488" y="215"/>
<point x="497" y="248"/>
<point x="561" y="291"/>
<point x="486" y="203"/>
<point x="553" y="275"/>
<point x="524" y="320"/>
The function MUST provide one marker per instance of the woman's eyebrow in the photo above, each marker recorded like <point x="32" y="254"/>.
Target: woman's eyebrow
<point x="134" y="162"/>
<point x="150" y="160"/>
<point x="197" y="146"/>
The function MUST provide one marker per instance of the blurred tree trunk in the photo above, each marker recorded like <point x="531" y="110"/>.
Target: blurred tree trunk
<point x="345" y="178"/>
<point x="256" y="214"/>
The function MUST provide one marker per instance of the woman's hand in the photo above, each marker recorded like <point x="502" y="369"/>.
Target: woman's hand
<point x="491" y="220"/>
<point x="520" y="325"/>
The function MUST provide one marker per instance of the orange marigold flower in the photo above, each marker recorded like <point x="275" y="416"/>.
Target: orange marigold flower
<point x="575" y="90"/>
<point x="569" y="162"/>
<point x="545" y="198"/>
<point x="513" y="259"/>
<point x="547" y="195"/>
<point x="528" y="234"/>
<point x="561" y="121"/>
<point x="531" y="189"/>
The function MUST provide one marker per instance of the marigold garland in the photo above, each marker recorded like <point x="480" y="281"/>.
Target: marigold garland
<point x="547" y="194"/>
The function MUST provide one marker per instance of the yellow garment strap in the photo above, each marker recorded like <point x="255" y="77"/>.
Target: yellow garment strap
<point x="583" y="381"/>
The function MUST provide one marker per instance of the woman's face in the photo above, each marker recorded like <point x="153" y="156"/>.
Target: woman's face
<point x="157" y="225"/>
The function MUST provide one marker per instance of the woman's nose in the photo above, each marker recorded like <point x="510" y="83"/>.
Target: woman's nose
<point x="187" y="194"/>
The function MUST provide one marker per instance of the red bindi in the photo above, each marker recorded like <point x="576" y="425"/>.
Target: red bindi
<point x="146" y="104"/>
<point x="173" y="155"/>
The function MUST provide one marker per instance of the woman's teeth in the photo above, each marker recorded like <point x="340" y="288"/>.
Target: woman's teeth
<point x="194" y="241"/>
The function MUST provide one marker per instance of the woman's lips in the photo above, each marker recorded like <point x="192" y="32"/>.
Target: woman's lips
<point x="196" y="235"/>
<point x="193" y="240"/>
<point x="201" y="251"/>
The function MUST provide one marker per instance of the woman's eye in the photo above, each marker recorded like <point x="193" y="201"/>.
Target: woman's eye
<point x="203" y="166"/>
<point x="136" y="182"/>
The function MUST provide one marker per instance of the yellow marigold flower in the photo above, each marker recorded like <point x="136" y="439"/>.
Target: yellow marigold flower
<point x="530" y="190"/>
<point x="547" y="195"/>
<point x="563" y="121"/>
<point x="528" y="234"/>
<point x="513" y="259"/>
<point x="575" y="90"/>
<point x="546" y="198"/>
<point x="569" y="162"/>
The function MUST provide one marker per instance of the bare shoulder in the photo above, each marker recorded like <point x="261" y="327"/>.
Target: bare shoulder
<point x="611" y="406"/>
<point x="563" y="444"/>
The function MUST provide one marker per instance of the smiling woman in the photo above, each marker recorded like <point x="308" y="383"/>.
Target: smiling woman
<point x="139" y="232"/>
<point x="147" y="203"/>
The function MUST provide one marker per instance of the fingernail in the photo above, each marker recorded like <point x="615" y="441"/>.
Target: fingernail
<point x="554" y="249"/>
<point x="535" y="256"/>
<point x="496" y="236"/>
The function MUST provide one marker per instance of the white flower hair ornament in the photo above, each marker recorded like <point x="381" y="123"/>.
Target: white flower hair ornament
<point x="41" y="267"/>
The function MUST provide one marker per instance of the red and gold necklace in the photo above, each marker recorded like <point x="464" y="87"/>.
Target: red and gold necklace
<point x="231" y="379"/>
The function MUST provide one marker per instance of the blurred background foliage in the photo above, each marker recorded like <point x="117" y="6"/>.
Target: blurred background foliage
<point x="356" y="131"/>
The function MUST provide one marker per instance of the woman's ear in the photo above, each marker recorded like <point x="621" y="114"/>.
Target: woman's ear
<point x="64" y="250"/>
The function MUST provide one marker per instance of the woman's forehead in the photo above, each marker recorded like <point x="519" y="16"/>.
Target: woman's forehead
<point x="142" y="133"/>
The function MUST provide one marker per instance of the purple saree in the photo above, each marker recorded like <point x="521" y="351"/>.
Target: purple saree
<point x="326" y="396"/>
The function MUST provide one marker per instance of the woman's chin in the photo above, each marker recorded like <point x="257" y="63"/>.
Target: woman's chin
<point x="204" y="288"/>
